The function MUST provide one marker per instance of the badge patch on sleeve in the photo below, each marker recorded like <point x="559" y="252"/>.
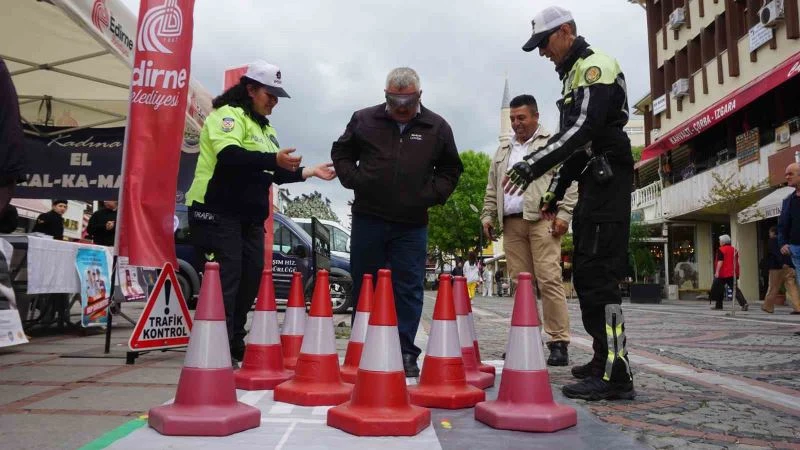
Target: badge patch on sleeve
<point x="227" y="124"/>
<point x="592" y="74"/>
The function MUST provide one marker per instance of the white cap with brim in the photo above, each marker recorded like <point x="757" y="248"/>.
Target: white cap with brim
<point x="267" y="74"/>
<point x="544" y="23"/>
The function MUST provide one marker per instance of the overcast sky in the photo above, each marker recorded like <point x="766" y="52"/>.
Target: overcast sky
<point x="334" y="57"/>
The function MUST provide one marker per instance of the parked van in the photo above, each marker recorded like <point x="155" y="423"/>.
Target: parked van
<point x="340" y="236"/>
<point x="291" y="251"/>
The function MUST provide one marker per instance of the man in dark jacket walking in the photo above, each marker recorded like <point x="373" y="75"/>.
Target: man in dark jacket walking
<point x="781" y="273"/>
<point x="103" y="224"/>
<point x="400" y="159"/>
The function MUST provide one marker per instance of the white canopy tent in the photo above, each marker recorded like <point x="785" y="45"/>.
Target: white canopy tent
<point x="71" y="63"/>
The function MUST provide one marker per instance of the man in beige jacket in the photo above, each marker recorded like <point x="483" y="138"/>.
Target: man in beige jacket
<point x="531" y="244"/>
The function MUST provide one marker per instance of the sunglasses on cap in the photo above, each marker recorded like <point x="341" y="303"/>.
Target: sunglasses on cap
<point x="402" y="100"/>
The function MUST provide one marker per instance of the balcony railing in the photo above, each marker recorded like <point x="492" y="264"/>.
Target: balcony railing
<point x="646" y="196"/>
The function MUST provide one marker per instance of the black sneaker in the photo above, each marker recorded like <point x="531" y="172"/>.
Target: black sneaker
<point x="594" y="388"/>
<point x="234" y="363"/>
<point x="410" y="366"/>
<point x="558" y="354"/>
<point x="581" y="372"/>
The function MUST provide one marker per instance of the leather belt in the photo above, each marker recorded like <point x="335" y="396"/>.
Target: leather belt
<point x="513" y="216"/>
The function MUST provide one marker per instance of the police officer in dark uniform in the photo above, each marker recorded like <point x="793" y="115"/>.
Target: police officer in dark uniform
<point x="52" y="222"/>
<point x="593" y="149"/>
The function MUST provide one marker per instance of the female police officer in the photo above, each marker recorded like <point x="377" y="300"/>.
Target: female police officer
<point x="228" y="201"/>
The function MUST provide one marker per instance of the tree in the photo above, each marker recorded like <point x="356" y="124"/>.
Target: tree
<point x="311" y="205"/>
<point x="637" y="152"/>
<point x="730" y="194"/>
<point x="639" y="256"/>
<point x="453" y="228"/>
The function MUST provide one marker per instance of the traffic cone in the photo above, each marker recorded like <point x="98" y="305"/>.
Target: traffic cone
<point x="443" y="383"/>
<point x="380" y="404"/>
<point x="358" y="332"/>
<point x="485" y="368"/>
<point x="475" y="377"/>
<point x="205" y="403"/>
<point x="262" y="367"/>
<point x="317" y="381"/>
<point x="294" y="322"/>
<point x="525" y="401"/>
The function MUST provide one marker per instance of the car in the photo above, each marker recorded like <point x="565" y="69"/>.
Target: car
<point x="291" y="251"/>
<point x="340" y="236"/>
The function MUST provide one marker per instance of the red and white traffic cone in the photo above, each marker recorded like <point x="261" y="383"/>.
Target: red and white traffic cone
<point x="317" y="381"/>
<point x="486" y="368"/>
<point x="380" y="404"/>
<point x="475" y="377"/>
<point x="205" y="403"/>
<point x="443" y="383"/>
<point x="294" y="322"/>
<point x="262" y="367"/>
<point x="359" y="331"/>
<point x="525" y="401"/>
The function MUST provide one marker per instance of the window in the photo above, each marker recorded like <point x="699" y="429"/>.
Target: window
<point x="339" y="240"/>
<point x="284" y="240"/>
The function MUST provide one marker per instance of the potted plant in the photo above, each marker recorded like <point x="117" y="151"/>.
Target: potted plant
<point x="642" y="290"/>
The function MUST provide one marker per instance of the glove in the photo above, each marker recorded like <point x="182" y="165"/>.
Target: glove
<point x="555" y="192"/>
<point x="520" y="175"/>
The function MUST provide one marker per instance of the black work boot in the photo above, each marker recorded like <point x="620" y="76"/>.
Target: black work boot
<point x="584" y="371"/>
<point x="558" y="354"/>
<point x="410" y="365"/>
<point x="595" y="388"/>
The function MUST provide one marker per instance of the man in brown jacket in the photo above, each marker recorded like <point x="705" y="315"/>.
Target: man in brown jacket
<point x="531" y="244"/>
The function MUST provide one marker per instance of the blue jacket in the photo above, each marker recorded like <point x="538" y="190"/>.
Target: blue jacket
<point x="785" y="221"/>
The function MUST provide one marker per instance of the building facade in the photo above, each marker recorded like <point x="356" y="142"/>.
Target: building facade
<point x="721" y="123"/>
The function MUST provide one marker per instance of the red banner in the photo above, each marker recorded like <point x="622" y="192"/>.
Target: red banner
<point x="154" y="133"/>
<point x="724" y="108"/>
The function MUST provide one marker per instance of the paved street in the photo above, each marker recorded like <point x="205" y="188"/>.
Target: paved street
<point x="705" y="379"/>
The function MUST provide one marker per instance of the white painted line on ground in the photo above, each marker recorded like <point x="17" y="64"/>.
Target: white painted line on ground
<point x="293" y="420"/>
<point x="722" y="381"/>
<point x="320" y="410"/>
<point x="692" y="313"/>
<point x="281" y="408"/>
<point x="252" y="397"/>
<point x="285" y="436"/>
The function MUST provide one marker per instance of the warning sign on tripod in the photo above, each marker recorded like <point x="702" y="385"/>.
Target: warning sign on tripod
<point x="165" y="321"/>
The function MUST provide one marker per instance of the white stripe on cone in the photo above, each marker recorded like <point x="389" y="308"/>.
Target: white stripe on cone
<point x="319" y="338"/>
<point x="360" y="324"/>
<point x="381" y="350"/>
<point x="208" y="346"/>
<point x="524" y="350"/>
<point x="471" y="321"/>
<point x="442" y="342"/>
<point x="264" y="329"/>
<point x="464" y="335"/>
<point x="295" y="321"/>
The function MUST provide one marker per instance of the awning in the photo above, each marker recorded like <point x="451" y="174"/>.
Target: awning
<point x="767" y="207"/>
<point x="724" y="108"/>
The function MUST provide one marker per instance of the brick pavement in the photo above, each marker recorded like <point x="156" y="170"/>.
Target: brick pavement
<point x="686" y="348"/>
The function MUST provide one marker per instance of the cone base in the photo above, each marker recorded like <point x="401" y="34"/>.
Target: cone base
<point x="525" y="403"/>
<point x="202" y="420"/>
<point x="480" y="380"/>
<point x="446" y="397"/>
<point x="526" y="417"/>
<point x="290" y="346"/>
<point x="486" y="368"/>
<point x="407" y="420"/>
<point x="349" y="374"/>
<point x="316" y="383"/>
<point x="261" y="380"/>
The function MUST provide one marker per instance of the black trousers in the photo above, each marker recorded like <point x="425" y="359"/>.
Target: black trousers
<point x="717" y="292"/>
<point x="238" y="247"/>
<point x="600" y="258"/>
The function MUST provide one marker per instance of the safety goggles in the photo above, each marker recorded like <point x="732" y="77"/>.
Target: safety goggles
<point x="402" y="100"/>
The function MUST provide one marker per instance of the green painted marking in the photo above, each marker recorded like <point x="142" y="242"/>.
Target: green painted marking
<point x="114" y="435"/>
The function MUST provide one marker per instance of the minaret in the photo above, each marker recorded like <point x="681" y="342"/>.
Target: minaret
<point x="505" y="121"/>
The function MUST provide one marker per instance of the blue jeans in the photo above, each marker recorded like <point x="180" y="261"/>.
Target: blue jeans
<point x="377" y="244"/>
<point x="794" y="251"/>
